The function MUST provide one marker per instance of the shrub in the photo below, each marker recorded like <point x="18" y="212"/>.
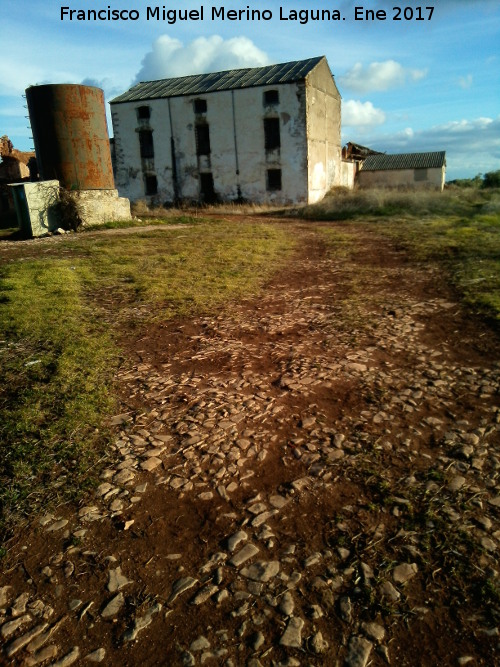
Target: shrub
<point x="492" y="179"/>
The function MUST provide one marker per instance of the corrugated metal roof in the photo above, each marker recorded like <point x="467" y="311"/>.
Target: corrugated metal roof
<point x="383" y="162"/>
<point x="200" y="84"/>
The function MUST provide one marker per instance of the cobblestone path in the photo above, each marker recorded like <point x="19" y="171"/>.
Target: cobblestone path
<point x="305" y="479"/>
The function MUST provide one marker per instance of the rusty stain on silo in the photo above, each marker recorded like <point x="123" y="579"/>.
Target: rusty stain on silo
<point x="71" y="135"/>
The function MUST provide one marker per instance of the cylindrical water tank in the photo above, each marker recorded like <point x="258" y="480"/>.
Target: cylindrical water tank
<point x="71" y="135"/>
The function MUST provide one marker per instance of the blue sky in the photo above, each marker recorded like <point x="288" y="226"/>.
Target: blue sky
<point x="406" y="85"/>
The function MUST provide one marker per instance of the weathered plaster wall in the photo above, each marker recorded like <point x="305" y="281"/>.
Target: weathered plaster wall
<point x="435" y="178"/>
<point x="236" y="127"/>
<point x="34" y="206"/>
<point x="99" y="206"/>
<point x="347" y="173"/>
<point x="323" y="132"/>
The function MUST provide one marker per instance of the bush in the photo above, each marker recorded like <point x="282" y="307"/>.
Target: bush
<point x="492" y="179"/>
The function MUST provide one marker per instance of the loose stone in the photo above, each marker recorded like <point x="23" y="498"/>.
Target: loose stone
<point x="4" y="596"/>
<point x="235" y="539"/>
<point x="373" y="631"/>
<point x="261" y="570"/>
<point x="151" y="463"/>
<point x="287" y="604"/>
<point x="205" y="593"/>
<point x="456" y="483"/>
<point x="68" y="659"/>
<point x="46" y="653"/>
<point x="96" y="656"/>
<point x="200" y="644"/>
<point x="113" y="606"/>
<point x="124" y="476"/>
<point x="404" y="572"/>
<point x="180" y="586"/>
<point x="117" y="580"/>
<point x="358" y="652"/>
<point x="292" y="636"/>
<point x="248" y="551"/>
<point x="318" y="644"/>
<point x="141" y="623"/>
<point x="256" y="641"/>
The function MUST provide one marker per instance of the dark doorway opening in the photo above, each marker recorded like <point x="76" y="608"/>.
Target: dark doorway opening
<point x="207" y="192"/>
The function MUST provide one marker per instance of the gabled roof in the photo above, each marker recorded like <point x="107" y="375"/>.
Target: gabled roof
<point x="199" y="84"/>
<point x="384" y="162"/>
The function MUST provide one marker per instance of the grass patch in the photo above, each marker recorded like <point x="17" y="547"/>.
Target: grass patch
<point x="57" y="333"/>
<point x="458" y="230"/>
<point x="467" y="248"/>
<point x="176" y="219"/>
<point x="56" y="366"/>
<point x="344" y="204"/>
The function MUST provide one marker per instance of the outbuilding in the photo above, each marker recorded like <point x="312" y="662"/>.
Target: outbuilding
<point x="414" y="170"/>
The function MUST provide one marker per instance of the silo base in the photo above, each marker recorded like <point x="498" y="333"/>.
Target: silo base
<point x="100" y="206"/>
<point x="39" y="211"/>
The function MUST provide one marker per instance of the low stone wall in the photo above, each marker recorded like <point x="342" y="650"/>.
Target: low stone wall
<point x="37" y="206"/>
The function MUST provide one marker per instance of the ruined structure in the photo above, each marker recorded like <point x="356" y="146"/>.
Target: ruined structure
<point x="264" y="134"/>
<point x="15" y="166"/>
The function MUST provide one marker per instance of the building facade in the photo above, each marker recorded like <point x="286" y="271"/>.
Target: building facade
<point x="265" y="134"/>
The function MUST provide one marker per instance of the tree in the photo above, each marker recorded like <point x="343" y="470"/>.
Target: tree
<point x="492" y="179"/>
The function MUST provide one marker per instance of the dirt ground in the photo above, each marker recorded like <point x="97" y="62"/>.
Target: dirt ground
<point x="308" y="477"/>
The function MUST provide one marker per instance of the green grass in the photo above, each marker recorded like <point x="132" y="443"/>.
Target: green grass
<point x="467" y="248"/>
<point x="141" y="222"/>
<point x="457" y="230"/>
<point x="60" y="316"/>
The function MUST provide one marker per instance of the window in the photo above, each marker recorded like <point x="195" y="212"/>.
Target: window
<point x="272" y="133"/>
<point x="271" y="97"/>
<point x="151" y="184"/>
<point x="202" y="135"/>
<point x="274" y="179"/>
<point x="200" y="106"/>
<point x="143" y="113"/>
<point x="420" y="174"/>
<point x="146" y="143"/>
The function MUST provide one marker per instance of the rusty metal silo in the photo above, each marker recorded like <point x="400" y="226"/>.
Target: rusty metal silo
<point x="71" y="136"/>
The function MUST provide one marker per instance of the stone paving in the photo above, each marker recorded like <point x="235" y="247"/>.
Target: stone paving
<point x="268" y="386"/>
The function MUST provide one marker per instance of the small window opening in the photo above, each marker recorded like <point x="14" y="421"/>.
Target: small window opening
<point x="151" y="184"/>
<point x="202" y="135"/>
<point x="271" y="97"/>
<point x="143" y="113"/>
<point x="274" y="179"/>
<point x="200" y="106"/>
<point x="420" y="174"/>
<point x="146" y="143"/>
<point x="272" y="133"/>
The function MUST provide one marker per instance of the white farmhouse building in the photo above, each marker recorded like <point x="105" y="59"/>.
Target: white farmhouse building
<point x="265" y="134"/>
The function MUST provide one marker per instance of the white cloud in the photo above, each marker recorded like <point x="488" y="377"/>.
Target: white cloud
<point x="170" y="57"/>
<point x="361" y="114"/>
<point x="472" y="146"/>
<point x="379" y="76"/>
<point x="108" y="85"/>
